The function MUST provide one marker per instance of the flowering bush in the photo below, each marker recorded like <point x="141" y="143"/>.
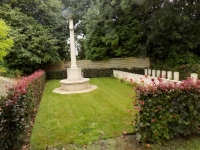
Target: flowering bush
<point x="18" y="109"/>
<point x="166" y="110"/>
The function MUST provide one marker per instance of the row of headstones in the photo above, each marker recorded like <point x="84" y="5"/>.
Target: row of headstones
<point x="167" y="74"/>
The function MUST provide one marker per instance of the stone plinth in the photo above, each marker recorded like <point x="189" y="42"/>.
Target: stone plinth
<point x="74" y="74"/>
<point x="74" y="83"/>
<point x="67" y="85"/>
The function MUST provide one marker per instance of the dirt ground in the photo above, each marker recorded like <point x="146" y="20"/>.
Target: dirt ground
<point x="124" y="142"/>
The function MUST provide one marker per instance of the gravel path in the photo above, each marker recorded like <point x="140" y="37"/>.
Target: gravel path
<point x="6" y="83"/>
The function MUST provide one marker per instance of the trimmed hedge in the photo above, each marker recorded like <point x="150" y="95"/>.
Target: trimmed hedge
<point x="108" y="72"/>
<point x="186" y="70"/>
<point x="93" y="72"/>
<point x="166" y="110"/>
<point x="56" y="74"/>
<point x="19" y="108"/>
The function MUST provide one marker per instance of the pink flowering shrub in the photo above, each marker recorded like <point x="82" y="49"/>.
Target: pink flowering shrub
<point x="18" y="109"/>
<point x="166" y="110"/>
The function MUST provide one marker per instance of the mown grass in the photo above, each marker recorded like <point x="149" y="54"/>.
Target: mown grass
<point x="83" y="118"/>
<point x="97" y="117"/>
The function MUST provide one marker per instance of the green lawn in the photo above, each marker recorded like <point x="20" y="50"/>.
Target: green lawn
<point x="83" y="118"/>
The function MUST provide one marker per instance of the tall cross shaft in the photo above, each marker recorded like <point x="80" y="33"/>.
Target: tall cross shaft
<point x="72" y="44"/>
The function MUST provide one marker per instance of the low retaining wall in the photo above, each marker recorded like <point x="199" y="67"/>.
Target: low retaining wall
<point x="139" y="78"/>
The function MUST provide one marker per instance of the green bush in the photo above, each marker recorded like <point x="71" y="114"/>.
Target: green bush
<point x="137" y="70"/>
<point x="186" y="70"/>
<point x="92" y="72"/>
<point x="56" y="74"/>
<point x="13" y="73"/>
<point x="108" y="72"/>
<point x="167" y="110"/>
<point x="18" y="109"/>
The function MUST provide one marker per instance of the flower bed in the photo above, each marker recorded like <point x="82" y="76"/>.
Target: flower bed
<point x="18" y="109"/>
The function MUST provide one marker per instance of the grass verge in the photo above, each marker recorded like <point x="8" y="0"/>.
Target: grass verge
<point x="82" y="118"/>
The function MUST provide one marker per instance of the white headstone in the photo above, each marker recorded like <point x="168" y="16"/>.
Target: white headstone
<point x="169" y="75"/>
<point x="194" y="76"/>
<point x="157" y="73"/>
<point x="145" y="72"/>
<point x="153" y="73"/>
<point x="163" y="74"/>
<point x="176" y="76"/>
<point x="149" y="72"/>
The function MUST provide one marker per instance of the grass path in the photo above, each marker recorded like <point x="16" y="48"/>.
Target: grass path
<point x="82" y="118"/>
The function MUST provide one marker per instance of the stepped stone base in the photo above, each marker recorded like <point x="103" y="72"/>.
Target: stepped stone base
<point x="74" y="83"/>
<point x="79" y="86"/>
<point x="68" y="85"/>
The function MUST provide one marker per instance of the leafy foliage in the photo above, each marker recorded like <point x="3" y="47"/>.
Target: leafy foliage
<point x="167" y="110"/>
<point x="109" y="33"/>
<point x="172" y="31"/>
<point x="5" y="42"/>
<point x="18" y="109"/>
<point x="31" y="42"/>
<point x="56" y="74"/>
<point x="163" y="30"/>
<point x="92" y="72"/>
<point x="38" y="31"/>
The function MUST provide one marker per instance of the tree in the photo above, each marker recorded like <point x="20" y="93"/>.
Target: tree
<point x="39" y="33"/>
<point x="34" y="45"/>
<point x="172" y="32"/>
<point x="5" y="42"/>
<point x="93" y="20"/>
<point x="111" y="30"/>
<point x="48" y="14"/>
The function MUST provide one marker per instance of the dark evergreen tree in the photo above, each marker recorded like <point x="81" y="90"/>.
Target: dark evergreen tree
<point x="111" y="30"/>
<point x="172" y="32"/>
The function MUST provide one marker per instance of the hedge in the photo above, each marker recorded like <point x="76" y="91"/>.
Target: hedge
<point x="93" y="72"/>
<point x="18" y="109"/>
<point x="62" y="74"/>
<point x="166" y="110"/>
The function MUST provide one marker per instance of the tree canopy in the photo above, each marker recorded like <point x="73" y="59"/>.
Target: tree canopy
<point x="39" y="33"/>
<point x="5" y="42"/>
<point x="164" y="30"/>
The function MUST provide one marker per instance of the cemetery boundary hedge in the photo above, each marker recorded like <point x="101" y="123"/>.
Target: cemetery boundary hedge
<point x="166" y="110"/>
<point x="93" y="72"/>
<point x="18" y="109"/>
